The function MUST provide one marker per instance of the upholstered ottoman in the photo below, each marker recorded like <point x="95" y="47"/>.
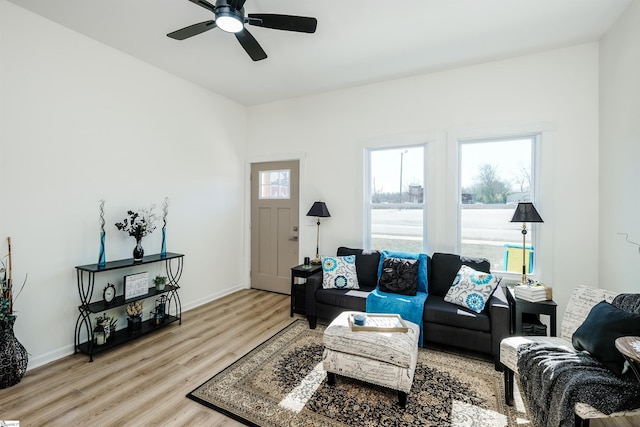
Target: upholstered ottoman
<point x="387" y="359"/>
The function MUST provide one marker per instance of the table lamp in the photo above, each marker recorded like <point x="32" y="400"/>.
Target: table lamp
<point x="525" y="212"/>
<point x="319" y="210"/>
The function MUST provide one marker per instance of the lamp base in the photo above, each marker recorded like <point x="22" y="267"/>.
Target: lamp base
<point x="316" y="261"/>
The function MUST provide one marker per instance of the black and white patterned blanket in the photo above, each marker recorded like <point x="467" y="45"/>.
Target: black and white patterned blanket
<point x="553" y="379"/>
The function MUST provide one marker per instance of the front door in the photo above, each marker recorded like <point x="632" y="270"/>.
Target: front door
<point x="274" y="224"/>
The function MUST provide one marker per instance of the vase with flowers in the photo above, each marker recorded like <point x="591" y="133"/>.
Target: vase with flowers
<point x="134" y="321"/>
<point x="13" y="355"/>
<point x="138" y="225"/>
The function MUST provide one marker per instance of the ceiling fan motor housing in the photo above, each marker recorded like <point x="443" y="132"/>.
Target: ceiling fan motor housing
<point x="228" y="18"/>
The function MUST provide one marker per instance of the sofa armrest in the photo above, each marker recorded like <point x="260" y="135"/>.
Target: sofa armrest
<point x="500" y="314"/>
<point x="314" y="282"/>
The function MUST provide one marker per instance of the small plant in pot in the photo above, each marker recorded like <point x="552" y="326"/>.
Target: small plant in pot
<point x="160" y="282"/>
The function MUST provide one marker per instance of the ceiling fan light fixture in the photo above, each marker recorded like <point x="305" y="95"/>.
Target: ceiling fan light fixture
<point x="229" y="21"/>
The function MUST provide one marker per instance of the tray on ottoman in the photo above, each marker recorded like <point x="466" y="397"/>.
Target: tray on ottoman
<point x="379" y="323"/>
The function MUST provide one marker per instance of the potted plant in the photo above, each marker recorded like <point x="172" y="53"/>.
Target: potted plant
<point x="160" y="282"/>
<point x="134" y="321"/>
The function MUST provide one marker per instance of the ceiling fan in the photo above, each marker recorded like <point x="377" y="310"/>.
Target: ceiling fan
<point x="230" y="17"/>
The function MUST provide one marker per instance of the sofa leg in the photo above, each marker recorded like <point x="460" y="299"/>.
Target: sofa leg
<point x="402" y="399"/>
<point x="331" y="378"/>
<point x="508" y="386"/>
<point x="496" y="363"/>
<point x="580" y="422"/>
<point x="312" y="322"/>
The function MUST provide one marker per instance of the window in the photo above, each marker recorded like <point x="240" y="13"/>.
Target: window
<point x="395" y="213"/>
<point x="274" y="184"/>
<point x="496" y="174"/>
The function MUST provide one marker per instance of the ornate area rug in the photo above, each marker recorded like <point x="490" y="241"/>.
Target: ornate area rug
<point x="281" y="383"/>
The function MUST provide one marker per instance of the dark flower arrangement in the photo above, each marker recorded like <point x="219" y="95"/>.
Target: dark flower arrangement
<point x="137" y="224"/>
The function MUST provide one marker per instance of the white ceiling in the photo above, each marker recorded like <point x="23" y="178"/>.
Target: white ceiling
<point x="357" y="41"/>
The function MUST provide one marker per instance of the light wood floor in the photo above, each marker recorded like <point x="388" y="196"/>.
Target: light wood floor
<point x="145" y="382"/>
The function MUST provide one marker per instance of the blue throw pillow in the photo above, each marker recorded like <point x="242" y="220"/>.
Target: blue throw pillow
<point x="422" y="265"/>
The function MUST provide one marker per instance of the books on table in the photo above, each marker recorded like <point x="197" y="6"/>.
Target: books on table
<point x="531" y="293"/>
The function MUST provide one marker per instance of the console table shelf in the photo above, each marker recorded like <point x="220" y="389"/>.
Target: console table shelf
<point x="86" y="276"/>
<point x="123" y="336"/>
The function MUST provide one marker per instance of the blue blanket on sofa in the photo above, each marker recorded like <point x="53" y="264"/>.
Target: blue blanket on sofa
<point x="409" y="308"/>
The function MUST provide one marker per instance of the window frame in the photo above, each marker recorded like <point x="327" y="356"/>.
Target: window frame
<point x="367" y="193"/>
<point x="270" y="186"/>
<point x="533" y="235"/>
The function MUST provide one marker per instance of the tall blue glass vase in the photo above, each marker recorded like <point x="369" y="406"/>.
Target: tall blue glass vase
<point x="163" y="251"/>
<point x="102" y="259"/>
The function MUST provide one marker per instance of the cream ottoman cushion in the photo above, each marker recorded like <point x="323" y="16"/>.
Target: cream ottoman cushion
<point x="387" y="359"/>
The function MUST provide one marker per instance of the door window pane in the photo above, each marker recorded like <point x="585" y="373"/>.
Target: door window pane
<point x="396" y="199"/>
<point x="494" y="176"/>
<point x="274" y="184"/>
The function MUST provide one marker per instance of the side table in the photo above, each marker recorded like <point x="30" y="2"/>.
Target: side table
<point x="298" y="290"/>
<point x="629" y="347"/>
<point x="541" y="307"/>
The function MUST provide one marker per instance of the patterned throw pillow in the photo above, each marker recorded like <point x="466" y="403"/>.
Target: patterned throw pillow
<point x="339" y="272"/>
<point x="471" y="289"/>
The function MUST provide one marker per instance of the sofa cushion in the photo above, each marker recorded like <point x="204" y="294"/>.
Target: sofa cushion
<point x="471" y="289"/>
<point x="583" y="299"/>
<point x="437" y="310"/>
<point x="399" y="276"/>
<point x="604" y="324"/>
<point x="366" y="265"/>
<point x="423" y="260"/>
<point x="339" y="298"/>
<point x="444" y="268"/>
<point x="339" y="272"/>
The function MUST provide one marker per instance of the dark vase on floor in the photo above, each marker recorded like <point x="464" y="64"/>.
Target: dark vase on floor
<point x="138" y="251"/>
<point x="13" y="356"/>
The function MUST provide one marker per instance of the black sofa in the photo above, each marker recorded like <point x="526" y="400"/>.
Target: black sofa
<point x="443" y="322"/>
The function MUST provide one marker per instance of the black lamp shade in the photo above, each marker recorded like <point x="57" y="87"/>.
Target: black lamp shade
<point x="526" y="212"/>
<point x="319" y="209"/>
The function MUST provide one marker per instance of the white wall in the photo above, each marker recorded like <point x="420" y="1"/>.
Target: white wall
<point x="80" y="122"/>
<point x="620" y="152"/>
<point x="556" y="90"/>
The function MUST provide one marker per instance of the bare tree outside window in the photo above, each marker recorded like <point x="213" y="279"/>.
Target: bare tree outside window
<point x="494" y="176"/>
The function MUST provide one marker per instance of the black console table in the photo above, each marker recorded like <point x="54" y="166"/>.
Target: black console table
<point x="86" y="276"/>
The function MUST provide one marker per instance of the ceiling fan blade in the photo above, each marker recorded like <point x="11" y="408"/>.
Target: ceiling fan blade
<point x="192" y="30"/>
<point x="237" y="4"/>
<point x="302" y="24"/>
<point x="251" y="45"/>
<point x="205" y="4"/>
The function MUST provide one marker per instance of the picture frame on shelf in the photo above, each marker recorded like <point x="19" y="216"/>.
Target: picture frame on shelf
<point x="136" y="285"/>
